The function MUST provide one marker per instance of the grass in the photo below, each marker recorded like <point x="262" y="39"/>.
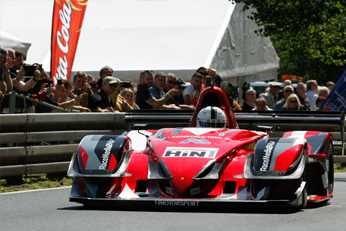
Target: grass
<point x="12" y="184"/>
<point x="55" y="180"/>
<point x="339" y="167"/>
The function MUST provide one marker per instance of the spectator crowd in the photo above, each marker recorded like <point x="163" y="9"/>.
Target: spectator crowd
<point x="154" y="90"/>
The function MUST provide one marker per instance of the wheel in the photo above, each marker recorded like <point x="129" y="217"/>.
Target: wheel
<point x="304" y="193"/>
<point x="304" y="202"/>
<point x="330" y="166"/>
<point x="304" y="199"/>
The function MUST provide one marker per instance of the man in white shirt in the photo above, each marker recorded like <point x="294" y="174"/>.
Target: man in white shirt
<point x="192" y="91"/>
<point x="312" y="87"/>
<point x="272" y="95"/>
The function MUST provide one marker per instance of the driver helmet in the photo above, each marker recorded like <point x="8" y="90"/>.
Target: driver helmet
<point x="211" y="117"/>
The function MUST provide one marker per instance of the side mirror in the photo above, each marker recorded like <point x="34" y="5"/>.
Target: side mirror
<point x="267" y="129"/>
<point x="140" y="126"/>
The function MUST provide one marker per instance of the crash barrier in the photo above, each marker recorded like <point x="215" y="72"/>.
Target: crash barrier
<point x="13" y="95"/>
<point x="44" y="143"/>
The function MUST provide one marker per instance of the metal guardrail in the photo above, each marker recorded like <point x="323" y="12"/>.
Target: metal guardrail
<point x="44" y="143"/>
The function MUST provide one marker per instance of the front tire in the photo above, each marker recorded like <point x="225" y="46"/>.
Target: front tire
<point x="304" y="193"/>
<point x="304" y="200"/>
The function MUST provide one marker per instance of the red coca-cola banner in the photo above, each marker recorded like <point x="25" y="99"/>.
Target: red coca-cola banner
<point x="67" y="24"/>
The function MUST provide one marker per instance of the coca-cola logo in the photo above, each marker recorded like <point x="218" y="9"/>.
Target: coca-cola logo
<point x="63" y="37"/>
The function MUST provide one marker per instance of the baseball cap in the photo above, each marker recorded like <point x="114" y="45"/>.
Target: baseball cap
<point x="110" y="80"/>
<point x="181" y="83"/>
<point x="274" y="84"/>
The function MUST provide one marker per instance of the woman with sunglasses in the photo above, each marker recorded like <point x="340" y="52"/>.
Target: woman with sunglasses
<point x="293" y="103"/>
<point x="288" y="90"/>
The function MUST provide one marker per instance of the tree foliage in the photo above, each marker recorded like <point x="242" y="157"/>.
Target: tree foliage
<point x="307" y="35"/>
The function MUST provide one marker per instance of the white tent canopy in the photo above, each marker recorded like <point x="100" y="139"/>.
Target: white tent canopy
<point x="162" y="35"/>
<point x="9" y="41"/>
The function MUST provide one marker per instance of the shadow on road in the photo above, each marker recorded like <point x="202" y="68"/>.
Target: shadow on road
<point x="270" y="210"/>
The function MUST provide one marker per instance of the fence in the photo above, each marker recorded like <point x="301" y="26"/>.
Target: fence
<point x="44" y="143"/>
<point x="12" y="102"/>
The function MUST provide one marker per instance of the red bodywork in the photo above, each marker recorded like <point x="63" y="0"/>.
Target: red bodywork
<point x="196" y="163"/>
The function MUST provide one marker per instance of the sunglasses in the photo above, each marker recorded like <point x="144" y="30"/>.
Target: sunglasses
<point x="203" y="73"/>
<point x="294" y="101"/>
<point x="287" y="91"/>
<point x="320" y="101"/>
<point x="172" y="82"/>
<point x="113" y="85"/>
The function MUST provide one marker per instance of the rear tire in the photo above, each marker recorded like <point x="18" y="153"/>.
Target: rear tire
<point x="330" y="170"/>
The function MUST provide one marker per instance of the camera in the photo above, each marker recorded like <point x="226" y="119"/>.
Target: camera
<point x="207" y="81"/>
<point x="126" y="84"/>
<point x="29" y="70"/>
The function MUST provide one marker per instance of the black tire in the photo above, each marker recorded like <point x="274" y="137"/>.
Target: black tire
<point x="330" y="171"/>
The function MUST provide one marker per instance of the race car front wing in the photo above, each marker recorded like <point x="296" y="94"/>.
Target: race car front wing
<point x="129" y="198"/>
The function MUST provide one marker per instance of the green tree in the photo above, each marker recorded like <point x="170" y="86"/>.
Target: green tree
<point x="309" y="36"/>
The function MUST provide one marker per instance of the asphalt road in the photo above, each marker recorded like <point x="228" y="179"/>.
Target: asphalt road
<point x="51" y="210"/>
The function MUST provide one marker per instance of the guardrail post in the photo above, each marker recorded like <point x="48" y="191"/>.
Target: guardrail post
<point x="12" y="105"/>
<point x="343" y="133"/>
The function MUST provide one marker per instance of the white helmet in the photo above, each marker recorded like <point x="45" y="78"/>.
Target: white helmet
<point x="211" y="117"/>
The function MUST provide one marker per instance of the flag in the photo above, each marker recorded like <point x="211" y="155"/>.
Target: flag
<point x="336" y="100"/>
<point x="66" y="27"/>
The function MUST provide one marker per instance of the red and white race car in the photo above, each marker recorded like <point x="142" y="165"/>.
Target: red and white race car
<point x="203" y="165"/>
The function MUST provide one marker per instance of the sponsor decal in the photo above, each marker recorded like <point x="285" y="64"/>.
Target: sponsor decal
<point x="267" y="152"/>
<point x="66" y="26"/>
<point x="158" y="134"/>
<point x="177" y="203"/>
<point x="195" y="191"/>
<point x="199" y="137"/>
<point x="105" y="155"/>
<point x="169" y="190"/>
<point x="190" y="152"/>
